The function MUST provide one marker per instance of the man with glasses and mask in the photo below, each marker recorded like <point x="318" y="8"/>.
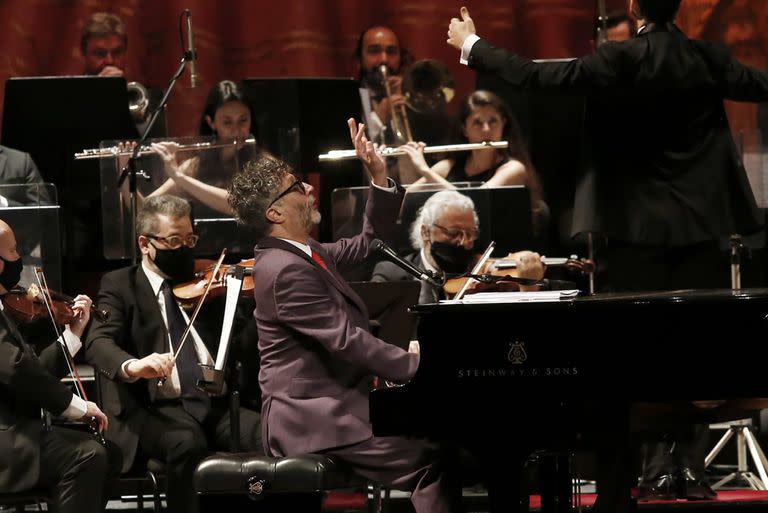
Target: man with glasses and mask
<point x="318" y="357"/>
<point x="175" y="422"/>
<point x="443" y="236"/>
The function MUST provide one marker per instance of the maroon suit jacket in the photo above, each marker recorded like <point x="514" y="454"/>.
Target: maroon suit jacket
<point x="317" y="355"/>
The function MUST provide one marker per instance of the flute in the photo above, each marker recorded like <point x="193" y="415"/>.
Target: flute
<point x="393" y="151"/>
<point x="114" y="151"/>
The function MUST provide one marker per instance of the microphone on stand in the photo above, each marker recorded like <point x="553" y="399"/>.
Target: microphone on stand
<point x="191" y="50"/>
<point x="423" y="275"/>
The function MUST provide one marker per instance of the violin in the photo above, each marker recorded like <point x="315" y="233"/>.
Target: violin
<point x="190" y="292"/>
<point x="28" y="305"/>
<point x="507" y="267"/>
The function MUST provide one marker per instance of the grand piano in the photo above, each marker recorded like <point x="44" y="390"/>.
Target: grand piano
<point x="587" y="371"/>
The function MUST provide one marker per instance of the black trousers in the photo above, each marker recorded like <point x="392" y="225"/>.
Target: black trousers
<point x="77" y="470"/>
<point x="633" y="267"/>
<point x="172" y="435"/>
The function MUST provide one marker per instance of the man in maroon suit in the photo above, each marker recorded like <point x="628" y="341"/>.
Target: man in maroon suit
<point x="317" y="355"/>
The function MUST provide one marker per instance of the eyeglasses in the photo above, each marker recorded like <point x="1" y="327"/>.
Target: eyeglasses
<point x="296" y="185"/>
<point x="458" y="235"/>
<point x="176" y="241"/>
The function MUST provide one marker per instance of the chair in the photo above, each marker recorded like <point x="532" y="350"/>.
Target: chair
<point x="18" y="500"/>
<point x="285" y="484"/>
<point x="145" y="474"/>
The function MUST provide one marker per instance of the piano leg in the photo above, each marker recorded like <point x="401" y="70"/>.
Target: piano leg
<point x="555" y="479"/>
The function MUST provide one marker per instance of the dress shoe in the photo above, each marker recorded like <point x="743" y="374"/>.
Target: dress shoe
<point x="662" y="489"/>
<point x="693" y="487"/>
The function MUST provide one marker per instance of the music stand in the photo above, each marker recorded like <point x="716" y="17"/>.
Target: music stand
<point x="298" y="119"/>
<point x="388" y="304"/>
<point x="52" y="118"/>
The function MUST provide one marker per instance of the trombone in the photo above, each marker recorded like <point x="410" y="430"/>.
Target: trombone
<point x="390" y="151"/>
<point x="127" y="149"/>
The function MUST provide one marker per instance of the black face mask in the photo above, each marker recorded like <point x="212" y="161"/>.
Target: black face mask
<point x="178" y="264"/>
<point x="451" y="259"/>
<point x="11" y="274"/>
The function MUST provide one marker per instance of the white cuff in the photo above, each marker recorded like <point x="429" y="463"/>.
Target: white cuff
<point x="466" y="48"/>
<point x="391" y="185"/>
<point x="73" y="341"/>
<point x="76" y="409"/>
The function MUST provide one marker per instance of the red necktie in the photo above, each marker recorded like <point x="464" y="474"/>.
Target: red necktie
<point x="320" y="262"/>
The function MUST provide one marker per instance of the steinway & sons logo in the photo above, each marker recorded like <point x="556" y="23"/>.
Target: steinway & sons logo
<point x="517" y="358"/>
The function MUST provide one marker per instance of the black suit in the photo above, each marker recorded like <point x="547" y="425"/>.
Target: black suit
<point x="387" y="271"/>
<point x="71" y="464"/>
<point x="163" y="429"/>
<point x="670" y="178"/>
<point x="19" y="170"/>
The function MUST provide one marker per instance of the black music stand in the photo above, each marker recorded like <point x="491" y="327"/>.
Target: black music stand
<point x="388" y="304"/>
<point x="52" y="118"/>
<point x="504" y="214"/>
<point x="298" y="119"/>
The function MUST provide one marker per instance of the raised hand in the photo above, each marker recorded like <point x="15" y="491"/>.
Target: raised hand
<point x="373" y="162"/>
<point x="459" y="30"/>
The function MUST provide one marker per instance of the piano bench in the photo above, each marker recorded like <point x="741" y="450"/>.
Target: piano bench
<point x="285" y="483"/>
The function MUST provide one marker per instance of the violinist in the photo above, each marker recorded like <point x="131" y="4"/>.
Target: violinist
<point x="69" y="463"/>
<point x="443" y="236"/>
<point x="177" y="422"/>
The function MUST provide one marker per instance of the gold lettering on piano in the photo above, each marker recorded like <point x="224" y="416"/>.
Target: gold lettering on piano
<point x="519" y="372"/>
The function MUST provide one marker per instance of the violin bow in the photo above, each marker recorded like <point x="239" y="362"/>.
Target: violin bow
<point x="214" y="274"/>
<point x="42" y="284"/>
<point x="476" y="269"/>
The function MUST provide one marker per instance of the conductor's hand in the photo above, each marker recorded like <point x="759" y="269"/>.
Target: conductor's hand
<point x="152" y="366"/>
<point x="373" y="162"/>
<point x="93" y="411"/>
<point x="82" y="308"/>
<point x="459" y="30"/>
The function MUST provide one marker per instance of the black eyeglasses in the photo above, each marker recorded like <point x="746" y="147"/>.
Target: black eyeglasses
<point x="296" y="185"/>
<point x="458" y="235"/>
<point x="176" y="241"/>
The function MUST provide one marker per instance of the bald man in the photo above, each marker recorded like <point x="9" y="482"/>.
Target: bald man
<point x="72" y="466"/>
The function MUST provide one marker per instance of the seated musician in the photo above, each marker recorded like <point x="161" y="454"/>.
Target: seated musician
<point x="485" y="117"/>
<point x="228" y="116"/>
<point x="318" y="357"/>
<point x="176" y="423"/>
<point x="18" y="170"/>
<point x="103" y="43"/>
<point x="443" y="236"/>
<point x="72" y="466"/>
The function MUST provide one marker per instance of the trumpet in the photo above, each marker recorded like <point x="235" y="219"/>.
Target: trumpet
<point x="127" y="149"/>
<point x="390" y="151"/>
<point x="138" y="102"/>
<point x="401" y="128"/>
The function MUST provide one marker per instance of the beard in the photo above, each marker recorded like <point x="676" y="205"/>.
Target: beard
<point x="309" y="216"/>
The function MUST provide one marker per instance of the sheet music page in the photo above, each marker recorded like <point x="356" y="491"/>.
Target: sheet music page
<point x="514" y="297"/>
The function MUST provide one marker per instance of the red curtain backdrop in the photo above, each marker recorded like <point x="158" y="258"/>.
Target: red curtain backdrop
<point x="242" y="38"/>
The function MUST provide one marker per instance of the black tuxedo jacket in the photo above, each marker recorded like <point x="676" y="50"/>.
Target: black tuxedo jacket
<point x="669" y="174"/>
<point x="135" y="329"/>
<point x="27" y="383"/>
<point x="18" y="168"/>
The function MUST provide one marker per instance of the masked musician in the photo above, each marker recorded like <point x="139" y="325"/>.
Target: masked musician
<point x="72" y="466"/>
<point x="443" y="236"/>
<point x="176" y="423"/>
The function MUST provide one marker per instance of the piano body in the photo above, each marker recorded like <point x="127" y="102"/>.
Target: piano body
<point x="578" y="371"/>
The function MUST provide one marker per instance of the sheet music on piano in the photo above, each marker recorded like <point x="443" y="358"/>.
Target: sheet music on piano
<point x="514" y="297"/>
